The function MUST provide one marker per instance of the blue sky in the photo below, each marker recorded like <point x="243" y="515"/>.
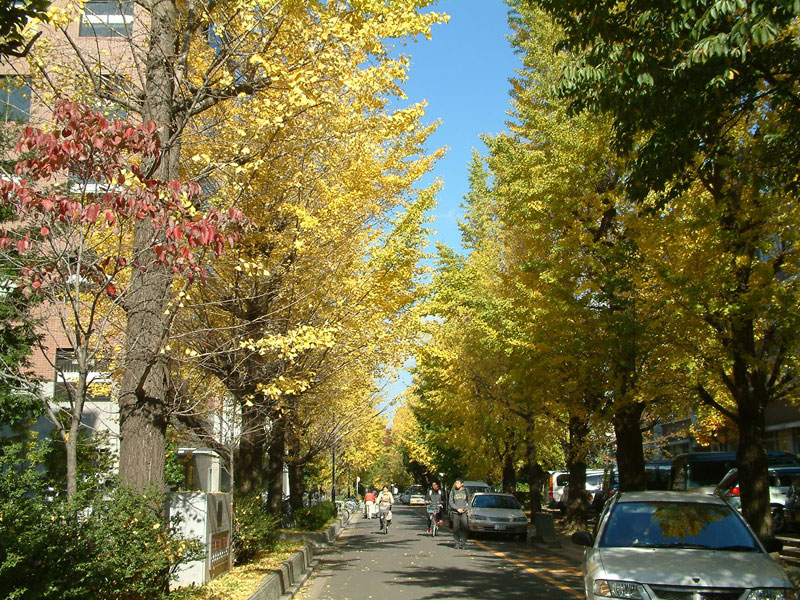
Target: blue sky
<point x="463" y="74"/>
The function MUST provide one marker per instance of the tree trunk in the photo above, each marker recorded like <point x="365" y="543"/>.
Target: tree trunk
<point x="295" y="469"/>
<point x="536" y="474"/>
<point x="751" y="396"/>
<point x="276" y="456"/>
<point x="143" y="393"/>
<point x="575" y="493"/>
<point x="250" y="456"/>
<point x="142" y="403"/>
<point x="71" y="442"/>
<point x="296" y="485"/>
<point x="630" y="449"/>
<point x="509" y="474"/>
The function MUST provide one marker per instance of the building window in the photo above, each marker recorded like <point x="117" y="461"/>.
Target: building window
<point x="66" y="361"/>
<point x="15" y="99"/>
<point x="107" y="18"/>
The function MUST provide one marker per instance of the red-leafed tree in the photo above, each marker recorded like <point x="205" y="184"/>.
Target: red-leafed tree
<point x="79" y="192"/>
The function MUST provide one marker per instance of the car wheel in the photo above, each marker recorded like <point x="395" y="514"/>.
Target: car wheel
<point x="778" y="520"/>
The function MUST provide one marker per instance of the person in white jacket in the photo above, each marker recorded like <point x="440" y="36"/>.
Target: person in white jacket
<point x="384" y="502"/>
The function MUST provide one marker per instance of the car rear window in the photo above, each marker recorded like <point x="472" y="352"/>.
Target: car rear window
<point x="489" y="501"/>
<point x="676" y="525"/>
<point x="562" y="479"/>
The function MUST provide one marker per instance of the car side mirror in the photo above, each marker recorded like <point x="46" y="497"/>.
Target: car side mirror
<point x="772" y="544"/>
<point x="582" y="538"/>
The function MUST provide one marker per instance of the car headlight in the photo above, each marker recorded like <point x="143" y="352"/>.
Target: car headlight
<point x="475" y="517"/>
<point x="619" y="589"/>
<point x="521" y="519"/>
<point x="772" y="594"/>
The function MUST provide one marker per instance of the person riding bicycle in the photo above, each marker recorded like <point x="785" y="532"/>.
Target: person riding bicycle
<point x="435" y="501"/>
<point x="384" y="502"/>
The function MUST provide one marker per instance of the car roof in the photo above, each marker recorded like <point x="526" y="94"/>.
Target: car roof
<point x="665" y="496"/>
<point x="475" y="483"/>
<point x="492" y="494"/>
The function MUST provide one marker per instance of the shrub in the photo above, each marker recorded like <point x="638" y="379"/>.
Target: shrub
<point x="254" y="528"/>
<point x="314" y="517"/>
<point x="113" y="546"/>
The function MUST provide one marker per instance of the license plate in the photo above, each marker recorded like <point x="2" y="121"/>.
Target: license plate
<point x="499" y="527"/>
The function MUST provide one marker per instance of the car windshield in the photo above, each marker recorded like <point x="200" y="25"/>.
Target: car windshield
<point x="676" y="525"/>
<point x="786" y="478"/>
<point x="490" y="501"/>
<point x="416" y="490"/>
<point x="594" y="480"/>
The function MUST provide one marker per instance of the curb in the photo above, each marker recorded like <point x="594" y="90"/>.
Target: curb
<point x="284" y="582"/>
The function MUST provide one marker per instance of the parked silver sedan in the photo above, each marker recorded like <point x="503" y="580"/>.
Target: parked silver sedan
<point x="499" y="513"/>
<point x="677" y="545"/>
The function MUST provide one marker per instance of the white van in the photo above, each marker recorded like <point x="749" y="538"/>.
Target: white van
<point x="559" y="480"/>
<point x="476" y="487"/>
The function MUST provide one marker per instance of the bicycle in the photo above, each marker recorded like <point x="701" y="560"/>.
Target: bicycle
<point x="352" y="504"/>
<point x="434" y="514"/>
<point x="384" y="522"/>
<point x="287" y="515"/>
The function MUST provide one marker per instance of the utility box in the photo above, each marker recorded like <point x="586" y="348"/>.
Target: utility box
<point x="545" y="526"/>
<point x="203" y="471"/>
<point x="205" y="517"/>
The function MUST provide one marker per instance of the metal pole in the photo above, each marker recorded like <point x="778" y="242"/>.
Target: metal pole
<point x="333" y="469"/>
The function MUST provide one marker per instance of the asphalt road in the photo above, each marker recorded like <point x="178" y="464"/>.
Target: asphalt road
<point x="408" y="564"/>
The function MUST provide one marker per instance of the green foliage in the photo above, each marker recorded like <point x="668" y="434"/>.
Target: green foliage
<point x="314" y="518"/>
<point x="112" y="546"/>
<point x="95" y="459"/>
<point x="14" y="14"/>
<point x="255" y="529"/>
<point x="675" y="75"/>
<point x="17" y="335"/>
<point x="174" y="471"/>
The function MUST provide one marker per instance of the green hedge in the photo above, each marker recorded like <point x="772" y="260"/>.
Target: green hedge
<point x="254" y="528"/>
<point x="314" y="517"/>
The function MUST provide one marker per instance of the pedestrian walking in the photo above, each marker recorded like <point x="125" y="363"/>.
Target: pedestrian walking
<point x="369" y="504"/>
<point x="458" y="503"/>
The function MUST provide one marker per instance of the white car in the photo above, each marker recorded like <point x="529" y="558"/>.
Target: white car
<point x="665" y="545"/>
<point x="781" y="480"/>
<point x="496" y="513"/>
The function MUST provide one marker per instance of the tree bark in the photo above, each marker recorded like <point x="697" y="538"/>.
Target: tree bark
<point x="143" y="393"/>
<point x="296" y="468"/>
<point x="71" y="441"/>
<point x="249" y="464"/>
<point x="748" y="387"/>
<point x="276" y="455"/>
<point x="509" y="474"/>
<point x="751" y="457"/>
<point x="630" y="448"/>
<point x="575" y="493"/>
<point x="536" y="474"/>
<point x="296" y="485"/>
